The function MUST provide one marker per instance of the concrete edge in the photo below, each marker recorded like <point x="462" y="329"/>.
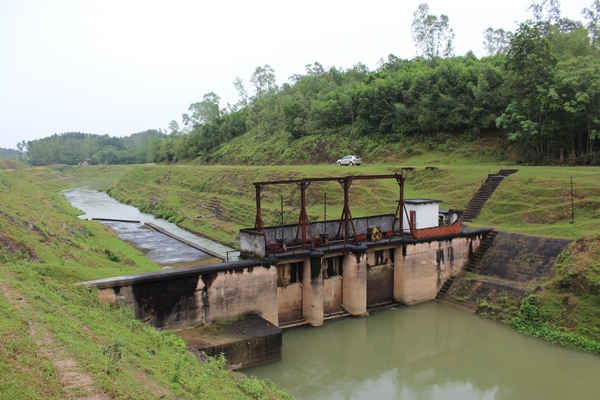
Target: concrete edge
<point x="184" y="241"/>
<point x="127" y="280"/>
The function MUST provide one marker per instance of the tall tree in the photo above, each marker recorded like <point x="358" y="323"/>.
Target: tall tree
<point x="547" y="11"/>
<point x="263" y="79"/>
<point x="205" y="111"/>
<point x="496" y="41"/>
<point x="433" y="35"/>
<point x="238" y="84"/>
<point x="174" y="128"/>
<point x="592" y="15"/>
<point x="530" y="64"/>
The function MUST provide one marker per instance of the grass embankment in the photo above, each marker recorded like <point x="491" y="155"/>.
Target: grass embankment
<point x="44" y="249"/>
<point x="217" y="201"/>
<point x="281" y="148"/>
<point x="565" y="309"/>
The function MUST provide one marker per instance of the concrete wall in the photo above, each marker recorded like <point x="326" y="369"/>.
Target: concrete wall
<point x="252" y="243"/>
<point x="332" y="294"/>
<point x="355" y="283"/>
<point x="312" y="307"/>
<point x="421" y="269"/>
<point x="201" y="298"/>
<point x="252" y="290"/>
<point x="200" y="295"/>
<point x="289" y="302"/>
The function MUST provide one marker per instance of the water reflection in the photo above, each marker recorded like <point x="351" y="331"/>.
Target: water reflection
<point x="429" y="351"/>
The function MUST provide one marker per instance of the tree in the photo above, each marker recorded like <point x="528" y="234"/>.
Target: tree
<point x="592" y="15"/>
<point x="174" y="128"/>
<point x="263" y="79"/>
<point x="547" y="11"/>
<point x="238" y="84"/>
<point x="433" y="35"/>
<point x="531" y="65"/>
<point x="496" y="41"/>
<point x="206" y="111"/>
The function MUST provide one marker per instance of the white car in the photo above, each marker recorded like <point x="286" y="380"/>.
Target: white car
<point x="348" y="160"/>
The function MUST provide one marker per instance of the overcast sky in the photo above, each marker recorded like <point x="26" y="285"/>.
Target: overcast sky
<point x="123" y="66"/>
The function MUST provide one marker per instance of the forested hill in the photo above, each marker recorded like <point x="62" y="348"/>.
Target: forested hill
<point x="537" y="92"/>
<point x="75" y="147"/>
<point x="540" y="87"/>
<point x="10" y="154"/>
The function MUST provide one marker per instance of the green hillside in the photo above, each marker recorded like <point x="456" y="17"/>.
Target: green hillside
<point x="49" y="327"/>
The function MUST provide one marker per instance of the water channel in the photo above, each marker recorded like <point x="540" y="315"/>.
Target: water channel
<point x="429" y="351"/>
<point x="97" y="204"/>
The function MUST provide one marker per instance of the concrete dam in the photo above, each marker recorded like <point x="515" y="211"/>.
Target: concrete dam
<point x="289" y="277"/>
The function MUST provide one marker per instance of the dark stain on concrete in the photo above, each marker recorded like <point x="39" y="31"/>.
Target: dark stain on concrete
<point x="166" y="302"/>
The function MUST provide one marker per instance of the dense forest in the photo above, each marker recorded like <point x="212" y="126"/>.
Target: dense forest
<point x="75" y="148"/>
<point x="539" y="85"/>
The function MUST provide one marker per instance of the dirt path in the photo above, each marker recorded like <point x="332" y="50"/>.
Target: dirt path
<point x="75" y="381"/>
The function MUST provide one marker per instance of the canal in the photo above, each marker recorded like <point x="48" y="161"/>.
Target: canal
<point x="96" y="204"/>
<point x="429" y="351"/>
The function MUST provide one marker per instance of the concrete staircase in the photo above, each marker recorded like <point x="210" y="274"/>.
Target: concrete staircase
<point x="485" y="191"/>
<point x="445" y="287"/>
<point x="473" y="264"/>
<point x="475" y="259"/>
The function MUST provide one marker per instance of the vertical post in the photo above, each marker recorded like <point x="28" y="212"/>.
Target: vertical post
<point x="572" y="204"/>
<point x="258" y="223"/>
<point x="346" y="215"/>
<point x="281" y="213"/>
<point x="303" y="220"/>
<point x="303" y="212"/>
<point x="413" y="221"/>
<point x="401" y="204"/>
<point x="281" y="198"/>
<point x="400" y="208"/>
<point x="324" y="213"/>
<point x="346" y="209"/>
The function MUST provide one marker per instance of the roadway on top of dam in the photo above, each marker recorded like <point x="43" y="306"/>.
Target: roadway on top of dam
<point x="165" y="244"/>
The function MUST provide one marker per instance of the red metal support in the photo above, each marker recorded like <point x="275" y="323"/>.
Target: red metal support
<point x="399" y="215"/>
<point x="303" y="223"/>
<point x="346" y="217"/>
<point x="258" y="223"/>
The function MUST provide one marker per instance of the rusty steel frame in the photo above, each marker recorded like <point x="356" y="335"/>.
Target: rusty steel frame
<point x="346" y="218"/>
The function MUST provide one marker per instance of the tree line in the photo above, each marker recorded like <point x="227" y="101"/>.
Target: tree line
<point x="10" y="154"/>
<point x="540" y="85"/>
<point x="75" y="147"/>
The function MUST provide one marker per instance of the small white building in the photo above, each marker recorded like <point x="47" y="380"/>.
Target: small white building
<point x="426" y="213"/>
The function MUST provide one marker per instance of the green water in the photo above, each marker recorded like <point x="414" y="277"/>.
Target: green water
<point x="430" y="351"/>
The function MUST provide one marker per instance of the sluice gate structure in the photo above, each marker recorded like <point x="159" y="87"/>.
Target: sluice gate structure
<point x="289" y="275"/>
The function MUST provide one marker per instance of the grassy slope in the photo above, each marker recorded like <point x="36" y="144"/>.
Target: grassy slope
<point x="217" y="200"/>
<point x="44" y="249"/>
<point x="280" y="148"/>
<point x="565" y="309"/>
